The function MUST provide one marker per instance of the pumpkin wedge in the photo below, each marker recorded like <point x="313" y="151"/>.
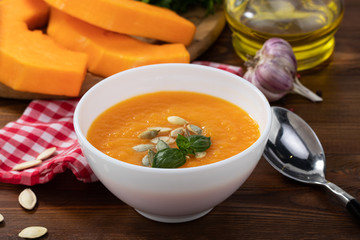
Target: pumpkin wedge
<point x="130" y="17"/>
<point x="109" y="52"/>
<point x="34" y="13"/>
<point x="30" y="61"/>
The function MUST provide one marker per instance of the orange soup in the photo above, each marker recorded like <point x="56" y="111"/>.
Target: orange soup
<point x="231" y="130"/>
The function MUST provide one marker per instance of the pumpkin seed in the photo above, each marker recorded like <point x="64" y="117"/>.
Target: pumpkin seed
<point x="161" y="145"/>
<point x="149" y="134"/>
<point x="168" y="140"/>
<point x="177" y="120"/>
<point x="148" y="158"/>
<point x="33" y="232"/>
<point x="200" y="154"/>
<point x="161" y="129"/>
<point x="1" y="218"/>
<point x="177" y="131"/>
<point x="145" y="161"/>
<point x="195" y="129"/>
<point x="151" y="155"/>
<point x="27" y="199"/>
<point x="46" y="154"/>
<point x="143" y="147"/>
<point x="186" y="132"/>
<point x="26" y="165"/>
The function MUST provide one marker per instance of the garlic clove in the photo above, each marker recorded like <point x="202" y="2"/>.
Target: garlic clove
<point x="271" y="96"/>
<point x="273" y="71"/>
<point x="279" y="48"/>
<point x="305" y="92"/>
<point x="274" y="77"/>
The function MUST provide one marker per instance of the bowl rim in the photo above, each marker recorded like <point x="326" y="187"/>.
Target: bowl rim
<point x="83" y="139"/>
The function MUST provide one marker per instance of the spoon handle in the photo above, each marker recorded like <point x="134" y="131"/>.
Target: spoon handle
<point x="354" y="208"/>
<point x="352" y="205"/>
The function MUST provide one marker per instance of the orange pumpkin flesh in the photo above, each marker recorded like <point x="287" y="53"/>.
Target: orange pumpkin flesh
<point x="30" y="61"/>
<point x="130" y="17"/>
<point x="110" y="52"/>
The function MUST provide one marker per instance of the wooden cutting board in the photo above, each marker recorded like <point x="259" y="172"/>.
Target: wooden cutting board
<point x="208" y="28"/>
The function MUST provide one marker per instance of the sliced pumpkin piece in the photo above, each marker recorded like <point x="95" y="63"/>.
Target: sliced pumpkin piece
<point x="130" y="17"/>
<point x="110" y="52"/>
<point x="30" y="61"/>
<point x="34" y="13"/>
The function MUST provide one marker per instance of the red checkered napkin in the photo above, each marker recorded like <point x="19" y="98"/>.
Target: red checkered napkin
<point x="45" y="124"/>
<point x="230" y="68"/>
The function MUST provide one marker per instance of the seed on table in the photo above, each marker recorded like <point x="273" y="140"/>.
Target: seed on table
<point x="33" y="232"/>
<point x="47" y="153"/>
<point x="177" y="120"/>
<point x="27" y="199"/>
<point x="195" y="129"/>
<point x="143" y="147"/>
<point x="1" y="218"/>
<point x="161" y="129"/>
<point x="149" y="134"/>
<point x="26" y="165"/>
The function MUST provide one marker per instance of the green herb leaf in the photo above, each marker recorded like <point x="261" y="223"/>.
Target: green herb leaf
<point x="199" y="143"/>
<point x="169" y="158"/>
<point x="183" y="143"/>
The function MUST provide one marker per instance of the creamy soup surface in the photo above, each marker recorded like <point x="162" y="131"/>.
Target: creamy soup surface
<point x="231" y="130"/>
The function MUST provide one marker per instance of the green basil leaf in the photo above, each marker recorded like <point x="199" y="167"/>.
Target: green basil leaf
<point x="199" y="143"/>
<point x="169" y="158"/>
<point x="182" y="142"/>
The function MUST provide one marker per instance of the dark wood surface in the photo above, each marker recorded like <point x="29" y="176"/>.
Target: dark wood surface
<point x="267" y="206"/>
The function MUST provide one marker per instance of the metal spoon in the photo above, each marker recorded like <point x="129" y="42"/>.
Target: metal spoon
<point x="295" y="151"/>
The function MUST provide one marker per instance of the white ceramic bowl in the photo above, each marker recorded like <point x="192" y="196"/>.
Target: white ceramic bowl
<point x="172" y="195"/>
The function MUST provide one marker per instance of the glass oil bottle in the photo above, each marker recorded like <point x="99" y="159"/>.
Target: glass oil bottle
<point x="308" y="25"/>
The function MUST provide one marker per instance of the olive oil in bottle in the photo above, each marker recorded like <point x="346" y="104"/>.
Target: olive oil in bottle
<point x="308" y="25"/>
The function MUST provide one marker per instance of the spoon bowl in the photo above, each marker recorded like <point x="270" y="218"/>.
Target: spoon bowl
<point x="295" y="151"/>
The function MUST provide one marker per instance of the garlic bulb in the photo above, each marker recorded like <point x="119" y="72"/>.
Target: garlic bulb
<point x="273" y="71"/>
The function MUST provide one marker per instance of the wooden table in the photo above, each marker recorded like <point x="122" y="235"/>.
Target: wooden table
<point x="267" y="206"/>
